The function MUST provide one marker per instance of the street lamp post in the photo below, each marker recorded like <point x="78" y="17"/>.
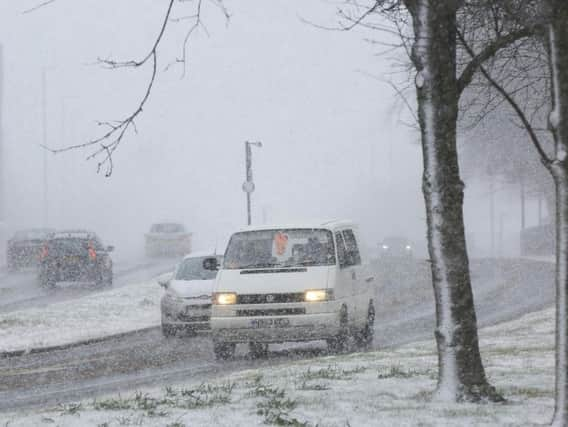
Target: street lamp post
<point x="44" y="134"/>
<point x="248" y="185"/>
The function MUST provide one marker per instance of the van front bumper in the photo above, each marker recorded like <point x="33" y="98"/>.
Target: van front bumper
<point x="274" y="329"/>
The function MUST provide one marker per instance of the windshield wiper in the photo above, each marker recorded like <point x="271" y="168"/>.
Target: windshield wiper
<point x="260" y="265"/>
<point x="308" y="262"/>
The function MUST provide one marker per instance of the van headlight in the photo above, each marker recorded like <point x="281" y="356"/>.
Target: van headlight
<point x="224" y="298"/>
<point x="318" y="295"/>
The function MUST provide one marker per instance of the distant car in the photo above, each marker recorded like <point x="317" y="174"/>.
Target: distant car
<point x="75" y="256"/>
<point x="186" y="304"/>
<point x="396" y="247"/>
<point x="24" y="248"/>
<point x="167" y="238"/>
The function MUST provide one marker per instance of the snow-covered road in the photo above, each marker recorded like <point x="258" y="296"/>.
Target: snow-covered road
<point x="504" y="289"/>
<point x="389" y="387"/>
<point x="21" y="290"/>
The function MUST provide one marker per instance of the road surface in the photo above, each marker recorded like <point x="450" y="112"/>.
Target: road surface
<point x="21" y="290"/>
<point x="503" y="290"/>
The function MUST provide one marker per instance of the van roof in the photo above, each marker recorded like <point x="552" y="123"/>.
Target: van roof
<point x="328" y="225"/>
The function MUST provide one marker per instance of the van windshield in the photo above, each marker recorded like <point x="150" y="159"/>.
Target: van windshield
<point x="280" y="248"/>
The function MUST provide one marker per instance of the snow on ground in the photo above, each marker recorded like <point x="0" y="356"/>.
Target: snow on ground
<point x="541" y="258"/>
<point x="383" y="388"/>
<point x="124" y="309"/>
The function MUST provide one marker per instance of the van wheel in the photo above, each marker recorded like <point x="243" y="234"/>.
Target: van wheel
<point x="258" y="350"/>
<point x="223" y="350"/>
<point x="364" y="338"/>
<point x="339" y="343"/>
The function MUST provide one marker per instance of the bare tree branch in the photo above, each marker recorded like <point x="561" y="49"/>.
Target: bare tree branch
<point x="399" y="93"/>
<point x="198" y="23"/>
<point x="359" y="19"/>
<point x="109" y="141"/>
<point x="115" y="130"/>
<point x="106" y="144"/>
<point x="533" y="137"/>
<point x="488" y="52"/>
<point x="38" y="6"/>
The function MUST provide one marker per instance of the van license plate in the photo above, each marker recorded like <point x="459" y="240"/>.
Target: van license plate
<point x="270" y="323"/>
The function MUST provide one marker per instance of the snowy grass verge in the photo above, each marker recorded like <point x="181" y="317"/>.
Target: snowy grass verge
<point x="384" y="388"/>
<point x="98" y="315"/>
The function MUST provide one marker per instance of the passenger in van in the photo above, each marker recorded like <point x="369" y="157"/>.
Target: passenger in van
<point x="249" y="254"/>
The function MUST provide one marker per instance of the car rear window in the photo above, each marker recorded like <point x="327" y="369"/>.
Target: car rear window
<point x="167" y="228"/>
<point x="31" y="234"/>
<point x="70" y="246"/>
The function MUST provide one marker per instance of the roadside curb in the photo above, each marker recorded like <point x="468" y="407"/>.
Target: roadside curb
<point x="547" y="259"/>
<point x="67" y="346"/>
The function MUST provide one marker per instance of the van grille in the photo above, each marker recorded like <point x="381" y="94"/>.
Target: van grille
<point x="270" y="298"/>
<point x="188" y="318"/>
<point x="271" y="312"/>
<point x="198" y="306"/>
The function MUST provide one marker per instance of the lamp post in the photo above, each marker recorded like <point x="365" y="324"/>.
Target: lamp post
<point x="45" y="202"/>
<point x="248" y="185"/>
<point x="44" y="135"/>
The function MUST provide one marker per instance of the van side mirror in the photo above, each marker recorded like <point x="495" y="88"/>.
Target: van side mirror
<point x="164" y="283"/>
<point x="211" y="263"/>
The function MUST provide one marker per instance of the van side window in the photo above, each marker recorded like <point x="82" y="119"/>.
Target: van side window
<point x="341" y="251"/>
<point x="352" y="255"/>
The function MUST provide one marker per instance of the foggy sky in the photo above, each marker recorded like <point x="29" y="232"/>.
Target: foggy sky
<point x="334" y="146"/>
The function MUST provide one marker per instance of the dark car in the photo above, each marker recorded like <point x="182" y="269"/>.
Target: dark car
<point x="75" y="256"/>
<point x="24" y="248"/>
<point x="396" y="247"/>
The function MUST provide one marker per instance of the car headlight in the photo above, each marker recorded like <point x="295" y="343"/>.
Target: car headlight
<point x="317" y="295"/>
<point x="224" y="298"/>
<point x="408" y="247"/>
<point x="385" y="247"/>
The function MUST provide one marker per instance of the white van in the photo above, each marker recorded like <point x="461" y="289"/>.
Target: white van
<point x="292" y="283"/>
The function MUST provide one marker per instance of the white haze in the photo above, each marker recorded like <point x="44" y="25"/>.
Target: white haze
<point x="333" y="143"/>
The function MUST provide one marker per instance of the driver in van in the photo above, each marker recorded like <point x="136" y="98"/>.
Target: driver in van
<point x="298" y="253"/>
<point x="314" y="249"/>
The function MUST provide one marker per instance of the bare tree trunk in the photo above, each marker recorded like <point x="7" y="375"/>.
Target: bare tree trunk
<point x="461" y="375"/>
<point x="549" y="195"/>
<point x="559" y="170"/>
